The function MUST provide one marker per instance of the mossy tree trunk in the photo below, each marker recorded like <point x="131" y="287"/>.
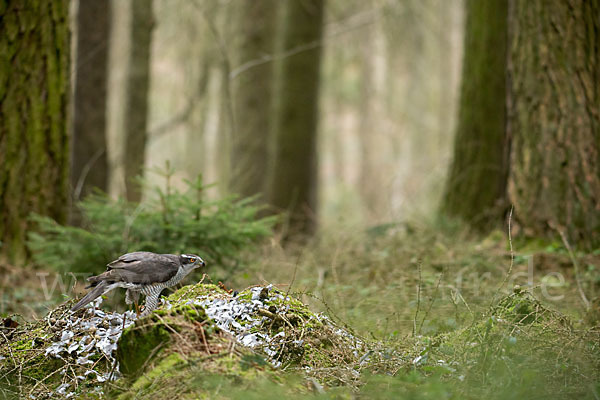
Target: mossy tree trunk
<point x="294" y="180"/>
<point x="554" y="117"/>
<point x="89" y="161"/>
<point x="136" y="103"/>
<point x="34" y="80"/>
<point x="251" y="84"/>
<point x="476" y="185"/>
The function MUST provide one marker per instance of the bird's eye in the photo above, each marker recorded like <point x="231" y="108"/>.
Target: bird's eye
<point x="192" y="259"/>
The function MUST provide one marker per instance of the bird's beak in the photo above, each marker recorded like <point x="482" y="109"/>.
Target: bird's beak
<point x="200" y="263"/>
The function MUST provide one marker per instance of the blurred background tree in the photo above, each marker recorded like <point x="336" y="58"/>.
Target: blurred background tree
<point x="387" y="40"/>
<point x="293" y="186"/>
<point x="136" y="101"/>
<point x="340" y="113"/>
<point x="89" y="158"/>
<point x="253" y="46"/>
<point x="476" y="184"/>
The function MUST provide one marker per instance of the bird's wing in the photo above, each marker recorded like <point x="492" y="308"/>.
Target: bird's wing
<point x="141" y="267"/>
<point x="129" y="258"/>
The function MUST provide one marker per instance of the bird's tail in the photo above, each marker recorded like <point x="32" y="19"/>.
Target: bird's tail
<point x="98" y="291"/>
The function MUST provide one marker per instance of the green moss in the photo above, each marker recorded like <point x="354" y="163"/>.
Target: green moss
<point x="24" y="344"/>
<point x="42" y="367"/>
<point x="190" y="313"/>
<point x="193" y="291"/>
<point x="161" y="369"/>
<point x="245" y="295"/>
<point x="144" y="341"/>
<point x="26" y="350"/>
<point x="28" y="339"/>
<point x="200" y="375"/>
<point x="140" y="343"/>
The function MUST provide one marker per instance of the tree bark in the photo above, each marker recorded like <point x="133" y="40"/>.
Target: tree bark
<point x="252" y="80"/>
<point x="294" y="182"/>
<point x="89" y="161"/>
<point x="136" y="104"/>
<point x="476" y="185"/>
<point x="34" y="80"/>
<point x="554" y="117"/>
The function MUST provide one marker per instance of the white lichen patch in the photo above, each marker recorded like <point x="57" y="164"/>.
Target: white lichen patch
<point x="95" y="331"/>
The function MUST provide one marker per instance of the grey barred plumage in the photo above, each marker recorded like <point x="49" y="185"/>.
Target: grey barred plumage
<point x="141" y="272"/>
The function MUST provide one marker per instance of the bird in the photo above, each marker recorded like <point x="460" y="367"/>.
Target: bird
<point x="141" y="272"/>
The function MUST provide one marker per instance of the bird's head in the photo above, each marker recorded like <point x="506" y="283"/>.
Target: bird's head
<point x="191" y="261"/>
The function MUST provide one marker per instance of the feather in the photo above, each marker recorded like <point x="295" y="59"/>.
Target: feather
<point x="141" y="267"/>
<point x="98" y="291"/>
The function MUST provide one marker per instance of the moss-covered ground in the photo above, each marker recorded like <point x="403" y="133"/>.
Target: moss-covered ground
<point x="400" y="312"/>
<point x="27" y="371"/>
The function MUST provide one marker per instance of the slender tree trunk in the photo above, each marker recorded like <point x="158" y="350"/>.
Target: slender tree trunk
<point x="294" y="182"/>
<point x="476" y="185"/>
<point x="89" y="166"/>
<point x="554" y="117"/>
<point x="251" y="85"/>
<point x="218" y="23"/>
<point x="34" y="79"/>
<point x="195" y="146"/>
<point x="373" y="180"/>
<point x="446" y="12"/>
<point x="136" y="107"/>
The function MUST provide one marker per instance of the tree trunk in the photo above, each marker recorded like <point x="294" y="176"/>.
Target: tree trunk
<point x="554" y="112"/>
<point x="136" y="104"/>
<point x="218" y="23"/>
<point x="373" y="181"/>
<point x="476" y="185"/>
<point x="252" y="80"/>
<point x="195" y="146"/>
<point x="294" y="181"/>
<point x="198" y="152"/>
<point x="89" y="165"/>
<point x="34" y="80"/>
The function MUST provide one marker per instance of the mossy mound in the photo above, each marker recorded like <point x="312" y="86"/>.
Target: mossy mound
<point x="177" y="353"/>
<point x="204" y="336"/>
<point x="199" y="329"/>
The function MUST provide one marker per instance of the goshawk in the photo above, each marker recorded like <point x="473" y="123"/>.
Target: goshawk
<point x="141" y="272"/>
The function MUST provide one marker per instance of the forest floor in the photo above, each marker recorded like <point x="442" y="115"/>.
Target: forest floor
<point x="442" y="314"/>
